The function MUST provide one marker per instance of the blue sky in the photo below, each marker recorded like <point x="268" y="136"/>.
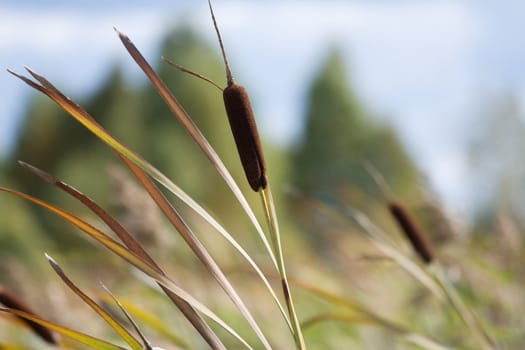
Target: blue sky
<point x="421" y="65"/>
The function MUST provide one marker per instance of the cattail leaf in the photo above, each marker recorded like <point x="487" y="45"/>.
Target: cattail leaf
<point x="134" y="246"/>
<point x="88" y="340"/>
<point x="197" y="247"/>
<point x="169" y="211"/>
<point x="467" y="315"/>
<point x="157" y="196"/>
<point x="161" y="201"/>
<point x="123" y="332"/>
<point x="152" y="321"/>
<point x="146" y="343"/>
<point x="132" y="258"/>
<point x="192" y="129"/>
<point x="113" y="224"/>
<point x="11" y="300"/>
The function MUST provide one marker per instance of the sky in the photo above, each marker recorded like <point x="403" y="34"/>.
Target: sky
<point x="422" y="66"/>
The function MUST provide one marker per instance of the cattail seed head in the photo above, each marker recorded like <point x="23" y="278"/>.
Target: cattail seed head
<point x="412" y="231"/>
<point x="11" y="300"/>
<point x="244" y="129"/>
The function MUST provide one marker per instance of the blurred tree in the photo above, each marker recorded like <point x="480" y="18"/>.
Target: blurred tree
<point x="341" y="137"/>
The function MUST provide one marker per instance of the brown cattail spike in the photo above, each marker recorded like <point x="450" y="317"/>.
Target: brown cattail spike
<point x="412" y="231"/>
<point x="242" y="124"/>
<point x="244" y="129"/>
<point x="10" y="300"/>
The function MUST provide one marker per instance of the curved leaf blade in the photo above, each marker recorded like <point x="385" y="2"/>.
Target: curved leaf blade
<point x="123" y="332"/>
<point x="191" y="314"/>
<point x="197" y="247"/>
<point x="153" y="322"/>
<point x="83" y="338"/>
<point x="131" y="258"/>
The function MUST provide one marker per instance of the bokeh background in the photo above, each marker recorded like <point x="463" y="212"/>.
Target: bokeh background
<point x="430" y="94"/>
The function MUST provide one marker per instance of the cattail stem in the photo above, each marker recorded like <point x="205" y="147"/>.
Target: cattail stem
<point x="273" y="224"/>
<point x="468" y="317"/>
<point x="412" y="231"/>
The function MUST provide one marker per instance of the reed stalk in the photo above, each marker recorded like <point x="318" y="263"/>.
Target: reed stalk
<point x="275" y="237"/>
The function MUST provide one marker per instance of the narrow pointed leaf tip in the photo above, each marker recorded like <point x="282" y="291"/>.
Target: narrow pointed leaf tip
<point x="43" y="175"/>
<point x="112" y="322"/>
<point x="145" y="341"/>
<point x="135" y="247"/>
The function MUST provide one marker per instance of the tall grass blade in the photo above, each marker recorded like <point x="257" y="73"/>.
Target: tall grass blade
<point x="88" y="340"/>
<point x="154" y="192"/>
<point x="131" y="258"/>
<point x="468" y="317"/>
<point x="145" y="341"/>
<point x="197" y="247"/>
<point x="189" y="312"/>
<point x="153" y="322"/>
<point x="123" y="332"/>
